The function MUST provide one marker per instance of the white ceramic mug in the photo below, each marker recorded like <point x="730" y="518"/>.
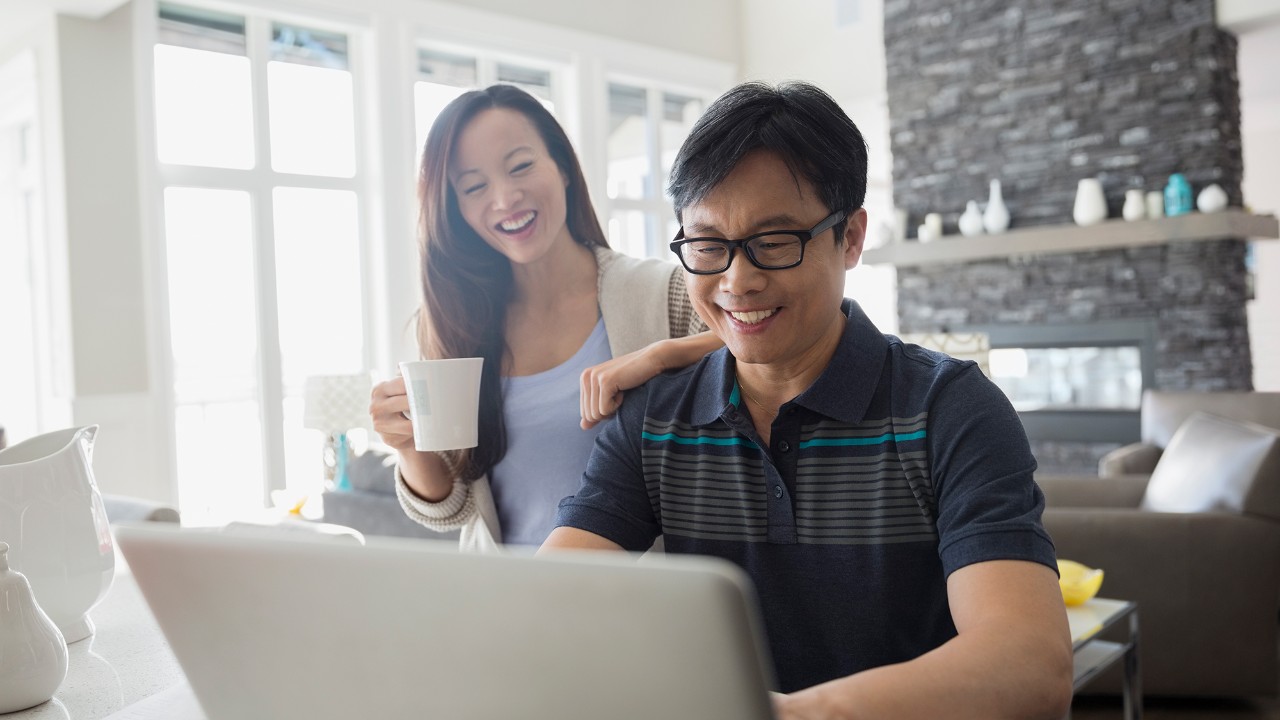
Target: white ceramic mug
<point x="444" y="399"/>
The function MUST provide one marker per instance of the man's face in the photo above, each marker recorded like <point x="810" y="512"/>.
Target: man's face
<point x="772" y="317"/>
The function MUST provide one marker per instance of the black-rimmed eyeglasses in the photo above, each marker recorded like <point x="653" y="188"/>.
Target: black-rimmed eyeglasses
<point x="773" y="250"/>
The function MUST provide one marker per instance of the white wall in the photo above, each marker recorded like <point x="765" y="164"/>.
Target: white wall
<point x="1260" y="108"/>
<point x="837" y="45"/>
<point x="708" y="28"/>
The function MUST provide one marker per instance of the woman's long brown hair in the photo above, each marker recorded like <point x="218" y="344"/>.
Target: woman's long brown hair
<point x="466" y="285"/>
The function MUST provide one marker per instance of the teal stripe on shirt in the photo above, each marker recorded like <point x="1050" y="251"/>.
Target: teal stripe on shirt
<point x="696" y="440"/>
<point x="829" y="442"/>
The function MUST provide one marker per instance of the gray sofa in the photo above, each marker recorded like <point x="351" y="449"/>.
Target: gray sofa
<point x="370" y="506"/>
<point x="1206" y="576"/>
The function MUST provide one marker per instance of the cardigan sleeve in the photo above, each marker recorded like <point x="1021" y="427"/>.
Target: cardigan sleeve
<point x="451" y="513"/>
<point x="683" y="319"/>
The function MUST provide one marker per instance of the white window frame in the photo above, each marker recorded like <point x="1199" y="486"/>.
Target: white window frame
<point x="656" y="208"/>
<point x="259" y="182"/>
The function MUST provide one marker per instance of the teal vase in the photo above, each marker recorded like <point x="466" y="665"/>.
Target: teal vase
<point x="1177" y="196"/>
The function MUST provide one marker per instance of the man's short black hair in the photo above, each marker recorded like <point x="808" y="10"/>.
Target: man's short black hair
<point x="798" y="121"/>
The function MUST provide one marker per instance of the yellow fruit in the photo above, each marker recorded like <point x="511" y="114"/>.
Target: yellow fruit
<point x="1078" y="582"/>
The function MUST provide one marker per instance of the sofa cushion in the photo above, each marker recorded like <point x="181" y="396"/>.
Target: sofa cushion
<point x="373" y="472"/>
<point x="1164" y="411"/>
<point x="1211" y="463"/>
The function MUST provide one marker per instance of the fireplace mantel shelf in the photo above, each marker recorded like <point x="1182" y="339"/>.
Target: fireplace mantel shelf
<point x="1045" y="240"/>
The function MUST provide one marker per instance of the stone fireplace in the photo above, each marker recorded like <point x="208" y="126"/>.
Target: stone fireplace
<point x="1039" y="96"/>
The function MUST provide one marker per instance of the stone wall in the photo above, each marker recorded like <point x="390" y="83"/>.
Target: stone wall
<point x="1040" y="95"/>
<point x="1044" y="93"/>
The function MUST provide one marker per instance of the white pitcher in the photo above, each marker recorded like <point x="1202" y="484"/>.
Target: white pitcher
<point x="52" y="516"/>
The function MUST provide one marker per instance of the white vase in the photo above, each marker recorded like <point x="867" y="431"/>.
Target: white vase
<point x="996" y="217"/>
<point x="1091" y="204"/>
<point x="971" y="220"/>
<point x="899" y="225"/>
<point x="53" y="519"/>
<point x="33" y="654"/>
<point x="1135" y="207"/>
<point x="1155" y="204"/>
<point x="1212" y="199"/>
<point x="933" y="221"/>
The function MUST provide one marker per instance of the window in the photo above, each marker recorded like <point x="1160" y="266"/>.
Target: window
<point x="443" y="75"/>
<point x="647" y="125"/>
<point x="264" y="243"/>
<point x="27" y="362"/>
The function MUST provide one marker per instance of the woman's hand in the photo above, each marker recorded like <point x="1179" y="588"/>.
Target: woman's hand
<point x="389" y="411"/>
<point x="602" y="385"/>
<point x="423" y="472"/>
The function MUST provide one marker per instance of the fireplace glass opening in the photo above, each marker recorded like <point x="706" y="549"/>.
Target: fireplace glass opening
<point x="1069" y="378"/>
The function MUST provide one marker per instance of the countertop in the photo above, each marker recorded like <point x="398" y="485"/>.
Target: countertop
<point x="126" y="659"/>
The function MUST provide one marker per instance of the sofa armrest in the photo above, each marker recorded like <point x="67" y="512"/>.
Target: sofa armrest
<point x="1207" y="587"/>
<point x="1123" y="491"/>
<point x="1133" y="459"/>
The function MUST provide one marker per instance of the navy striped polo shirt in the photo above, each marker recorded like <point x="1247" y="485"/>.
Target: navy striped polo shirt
<point x="898" y="466"/>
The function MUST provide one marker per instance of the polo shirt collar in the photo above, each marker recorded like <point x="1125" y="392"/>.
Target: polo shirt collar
<point x="842" y="392"/>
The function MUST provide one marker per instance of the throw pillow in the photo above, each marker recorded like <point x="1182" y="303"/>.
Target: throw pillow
<point x="1210" y="464"/>
<point x="372" y="472"/>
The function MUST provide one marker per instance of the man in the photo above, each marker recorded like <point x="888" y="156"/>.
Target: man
<point x="879" y="495"/>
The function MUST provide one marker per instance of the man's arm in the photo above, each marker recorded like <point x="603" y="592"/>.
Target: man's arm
<point x="569" y="538"/>
<point x="1012" y="658"/>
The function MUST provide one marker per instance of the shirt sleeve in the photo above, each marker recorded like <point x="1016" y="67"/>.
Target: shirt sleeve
<point x="988" y="504"/>
<point x="613" y="499"/>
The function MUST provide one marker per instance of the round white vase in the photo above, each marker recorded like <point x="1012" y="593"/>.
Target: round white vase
<point x="33" y="655"/>
<point x="1091" y="204"/>
<point x="971" y="220"/>
<point x="1212" y="199"/>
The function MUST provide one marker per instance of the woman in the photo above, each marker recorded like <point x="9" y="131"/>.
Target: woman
<point x="517" y="270"/>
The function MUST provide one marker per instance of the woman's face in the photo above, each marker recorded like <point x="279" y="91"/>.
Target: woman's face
<point x="509" y="188"/>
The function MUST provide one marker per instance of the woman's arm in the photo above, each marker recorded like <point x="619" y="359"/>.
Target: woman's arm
<point x="603" y="385"/>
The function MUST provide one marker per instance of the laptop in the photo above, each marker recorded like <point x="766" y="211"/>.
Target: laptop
<point x="315" y="627"/>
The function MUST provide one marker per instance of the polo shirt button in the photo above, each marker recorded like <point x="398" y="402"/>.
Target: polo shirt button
<point x="777" y="491"/>
<point x="784" y="446"/>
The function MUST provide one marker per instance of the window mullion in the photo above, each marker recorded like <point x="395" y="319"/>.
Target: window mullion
<point x="270" y="376"/>
<point x="486" y="71"/>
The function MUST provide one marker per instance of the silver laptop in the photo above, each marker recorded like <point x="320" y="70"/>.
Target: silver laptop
<point x="281" y="627"/>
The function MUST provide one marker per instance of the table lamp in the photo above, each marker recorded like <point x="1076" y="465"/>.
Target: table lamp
<point x="962" y="346"/>
<point x="335" y="404"/>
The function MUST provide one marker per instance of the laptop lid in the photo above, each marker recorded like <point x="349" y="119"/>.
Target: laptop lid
<point x="291" y="627"/>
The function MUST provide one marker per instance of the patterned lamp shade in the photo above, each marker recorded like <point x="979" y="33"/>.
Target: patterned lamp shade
<point x="962" y="346"/>
<point x="337" y="403"/>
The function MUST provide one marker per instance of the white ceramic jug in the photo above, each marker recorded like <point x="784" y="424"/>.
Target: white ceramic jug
<point x="53" y="519"/>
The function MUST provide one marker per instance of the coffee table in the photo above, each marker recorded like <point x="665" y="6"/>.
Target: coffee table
<point x="1093" y="655"/>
